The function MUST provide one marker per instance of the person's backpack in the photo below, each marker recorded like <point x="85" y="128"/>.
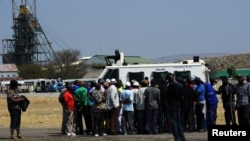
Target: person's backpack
<point x="60" y="97"/>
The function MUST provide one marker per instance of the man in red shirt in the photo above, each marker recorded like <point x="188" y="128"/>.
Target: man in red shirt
<point x="69" y="106"/>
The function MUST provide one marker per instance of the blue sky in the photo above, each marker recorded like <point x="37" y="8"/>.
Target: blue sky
<point x="147" y="28"/>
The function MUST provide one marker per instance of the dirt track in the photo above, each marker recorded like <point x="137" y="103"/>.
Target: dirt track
<point x="54" y="134"/>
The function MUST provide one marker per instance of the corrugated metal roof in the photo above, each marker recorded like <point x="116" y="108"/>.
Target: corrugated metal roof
<point x="8" y="67"/>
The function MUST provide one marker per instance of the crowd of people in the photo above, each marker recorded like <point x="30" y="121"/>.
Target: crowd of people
<point x="112" y="107"/>
<point x="174" y="105"/>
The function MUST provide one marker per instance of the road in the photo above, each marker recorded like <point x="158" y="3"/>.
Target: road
<point x="54" y="134"/>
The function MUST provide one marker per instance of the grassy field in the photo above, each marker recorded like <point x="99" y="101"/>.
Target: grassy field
<point x="45" y="112"/>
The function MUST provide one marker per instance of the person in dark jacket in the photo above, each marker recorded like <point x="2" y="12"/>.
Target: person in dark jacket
<point x="175" y="103"/>
<point x="227" y="92"/>
<point x="188" y="111"/>
<point x="242" y="104"/>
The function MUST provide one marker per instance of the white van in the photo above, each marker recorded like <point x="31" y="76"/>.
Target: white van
<point x="187" y="69"/>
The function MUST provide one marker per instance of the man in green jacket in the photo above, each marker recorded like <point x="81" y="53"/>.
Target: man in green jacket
<point x="80" y="96"/>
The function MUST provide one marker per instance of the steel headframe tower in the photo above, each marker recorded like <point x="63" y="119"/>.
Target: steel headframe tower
<point x="29" y="44"/>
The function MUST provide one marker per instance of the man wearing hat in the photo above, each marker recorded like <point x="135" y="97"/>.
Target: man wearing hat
<point x="127" y="99"/>
<point x="112" y="103"/>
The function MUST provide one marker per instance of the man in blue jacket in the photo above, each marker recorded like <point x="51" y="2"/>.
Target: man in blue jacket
<point x="211" y="104"/>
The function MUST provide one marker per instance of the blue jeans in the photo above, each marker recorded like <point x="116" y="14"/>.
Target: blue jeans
<point x="15" y="118"/>
<point x="176" y="124"/>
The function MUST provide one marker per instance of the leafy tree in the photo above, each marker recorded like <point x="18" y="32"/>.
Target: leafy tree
<point x="31" y="71"/>
<point x="67" y="66"/>
<point x="231" y="72"/>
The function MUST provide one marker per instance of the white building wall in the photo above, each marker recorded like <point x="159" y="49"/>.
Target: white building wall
<point x="8" y="74"/>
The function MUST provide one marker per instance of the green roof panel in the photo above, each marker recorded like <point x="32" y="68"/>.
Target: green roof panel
<point x="243" y="72"/>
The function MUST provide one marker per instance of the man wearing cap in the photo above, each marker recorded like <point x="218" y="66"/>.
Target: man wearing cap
<point x="126" y="99"/>
<point x="135" y="88"/>
<point x="242" y="103"/>
<point x="112" y="103"/>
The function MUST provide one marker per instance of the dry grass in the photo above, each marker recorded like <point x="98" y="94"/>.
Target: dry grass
<point x="45" y="112"/>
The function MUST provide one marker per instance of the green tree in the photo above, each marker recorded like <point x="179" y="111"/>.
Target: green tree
<point x="231" y="72"/>
<point x="67" y="65"/>
<point x="31" y="71"/>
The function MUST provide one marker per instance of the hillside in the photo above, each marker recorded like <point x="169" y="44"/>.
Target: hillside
<point x="216" y="61"/>
<point x="223" y="62"/>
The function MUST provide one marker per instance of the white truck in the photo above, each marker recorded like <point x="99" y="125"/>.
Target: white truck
<point x="187" y="69"/>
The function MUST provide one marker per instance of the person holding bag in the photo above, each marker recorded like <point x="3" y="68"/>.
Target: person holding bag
<point x="98" y="110"/>
<point x="13" y="102"/>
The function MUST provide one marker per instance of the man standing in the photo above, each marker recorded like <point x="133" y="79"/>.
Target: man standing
<point x="139" y="100"/>
<point x="242" y="105"/>
<point x="227" y="92"/>
<point x="211" y="104"/>
<point x="175" y="99"/>
<point x="188" y="110"/>
<point x="127" y="99"/>
<point x="69" y="105"/>
<point x="112" y="103"/>
<point x="81" y="100"/>
<point x="152" y="105"/>
<point x="200" y="106"/>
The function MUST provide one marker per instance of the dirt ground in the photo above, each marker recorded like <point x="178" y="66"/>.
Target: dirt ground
<point x="49" y="134"/>
<point x="34" y="124"/>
